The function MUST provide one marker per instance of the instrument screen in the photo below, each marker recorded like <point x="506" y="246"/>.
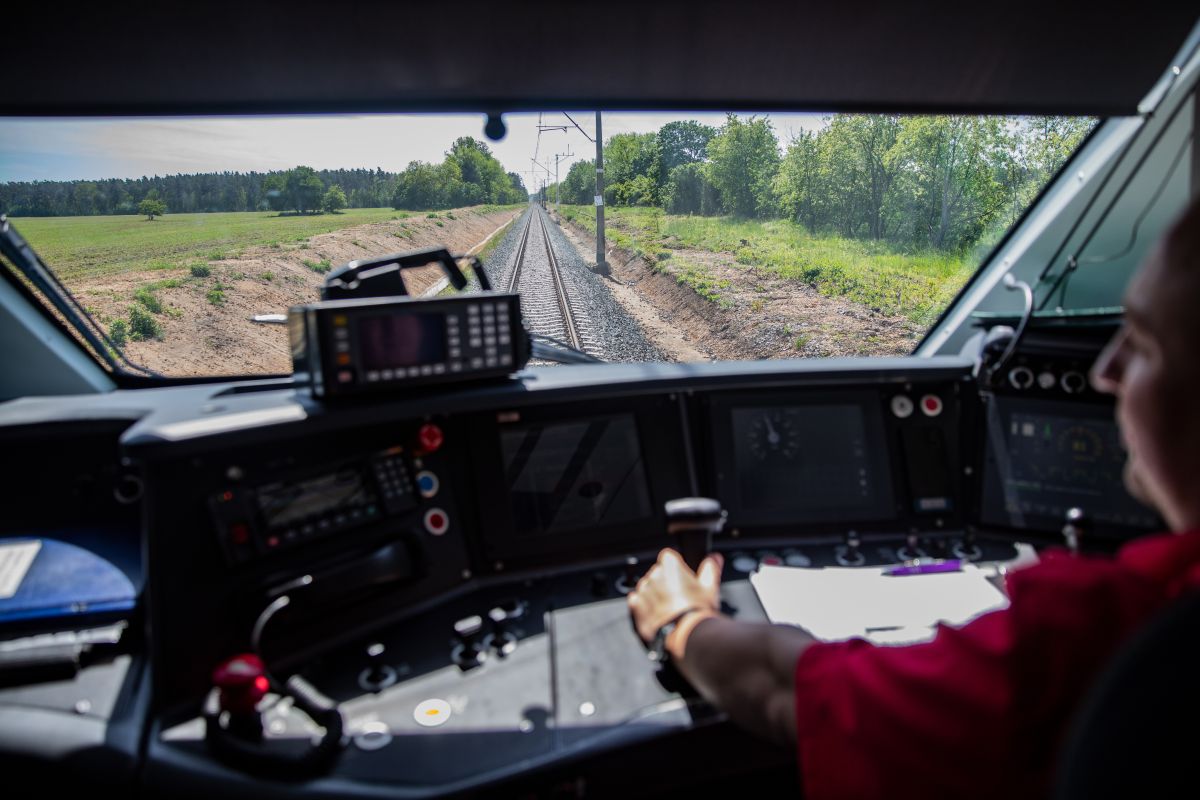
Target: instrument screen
<point x="572" y="475"/>
<point x="1045" y="457"/>
<point x="814" y="462"/>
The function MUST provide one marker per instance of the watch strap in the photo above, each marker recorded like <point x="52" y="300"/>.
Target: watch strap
<point x="658" y="646"/>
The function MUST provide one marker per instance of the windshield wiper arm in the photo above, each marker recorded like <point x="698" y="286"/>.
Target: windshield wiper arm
<point x="14" y="247"/>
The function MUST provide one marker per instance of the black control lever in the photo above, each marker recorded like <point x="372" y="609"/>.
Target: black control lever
<point x="693" y="521"/>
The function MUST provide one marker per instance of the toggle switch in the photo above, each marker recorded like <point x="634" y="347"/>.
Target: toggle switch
<point x="849" y="554"/>
<point x="378" y="675"/>
<point x="468" y="651"/>
<point x="630" y="575"/>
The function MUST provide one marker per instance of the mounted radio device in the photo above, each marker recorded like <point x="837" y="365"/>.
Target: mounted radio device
<point x="368" y="335"/>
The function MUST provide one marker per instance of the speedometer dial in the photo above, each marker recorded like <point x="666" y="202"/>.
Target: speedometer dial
<point x="772" y="435"/>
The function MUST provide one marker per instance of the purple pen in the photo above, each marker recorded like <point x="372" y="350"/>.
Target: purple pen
<point x="952" y="565"/>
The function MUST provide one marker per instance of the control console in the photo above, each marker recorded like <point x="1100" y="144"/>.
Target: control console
<point x="255" y="521"/>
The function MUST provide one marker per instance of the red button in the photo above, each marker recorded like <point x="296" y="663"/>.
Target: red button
<point x="430" y="437"/>
<point x="931" y="404"/>
<point x="242" y="681"/>
<point x="436" y="521"/>
<point x="273" y="541"/>
<point x="239" y="533"/>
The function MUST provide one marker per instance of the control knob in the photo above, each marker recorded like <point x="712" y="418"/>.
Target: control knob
<point x="849" y="554"/>
<point x="1020" y="377"/>
<point x="1073" y="382"/>
<point x="241" y="683"/>
<point x="693" y="521"/>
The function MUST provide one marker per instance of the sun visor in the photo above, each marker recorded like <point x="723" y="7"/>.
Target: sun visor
<point x="301" y="56"/>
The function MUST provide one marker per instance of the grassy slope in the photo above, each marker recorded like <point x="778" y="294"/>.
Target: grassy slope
<point x="78" y="247"/>
<point x="916" y="285"/>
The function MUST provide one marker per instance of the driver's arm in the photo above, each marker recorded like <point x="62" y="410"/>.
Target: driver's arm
<point x="746" y="669"/>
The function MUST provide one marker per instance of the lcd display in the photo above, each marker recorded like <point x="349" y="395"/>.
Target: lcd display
<point x="573" y="475"/>
<point x="282" y="504"/>
<point x="1044" y="458"/>
<point x="808" y="463"/>
<point x="386" y="341"/>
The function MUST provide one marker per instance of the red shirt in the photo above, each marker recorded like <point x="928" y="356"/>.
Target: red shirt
<point x="980" y="711"/>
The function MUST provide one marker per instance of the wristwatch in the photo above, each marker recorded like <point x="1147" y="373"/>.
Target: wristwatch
<point x="657" y="649"/>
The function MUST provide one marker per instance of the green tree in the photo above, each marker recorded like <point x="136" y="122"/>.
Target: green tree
<point x="683" y="142"/>
<point x="628" y="157"/>
<point x="303" y="189"/>
<point x="516" y="189"/>
<point x="689" y="191"/>
<point x="418" y="188"/>
<point x="274" y="189"/>
<point x="151" y="206"/>
<point x="801" y="182"/>
<point x="579" y="187"/>
<point x="744" y="158"/>
<point x="951" y="172"/>
<point x="334" y="200"/>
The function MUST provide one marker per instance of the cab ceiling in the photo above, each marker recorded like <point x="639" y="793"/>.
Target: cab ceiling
<point x="301" y="56"/>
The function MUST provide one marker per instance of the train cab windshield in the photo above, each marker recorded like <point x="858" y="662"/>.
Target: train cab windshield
<point x="726" y="236"/>
<point x="431" y="420"/>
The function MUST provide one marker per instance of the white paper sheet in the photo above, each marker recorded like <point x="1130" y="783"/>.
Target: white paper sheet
<point x="15" y="560"/>
<point x="835" y="604"/>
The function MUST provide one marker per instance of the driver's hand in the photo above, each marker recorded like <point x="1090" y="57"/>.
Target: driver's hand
<point x="670" y="588"/>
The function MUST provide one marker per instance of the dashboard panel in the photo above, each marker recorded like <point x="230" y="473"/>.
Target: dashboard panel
<point x="811" y="464"/>
<point x="466" y="552"/>
<point x="1050" y="444"/>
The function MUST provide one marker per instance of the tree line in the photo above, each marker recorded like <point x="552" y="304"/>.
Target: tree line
<point x="939" y="182"/>
<point x="469" y="175"/>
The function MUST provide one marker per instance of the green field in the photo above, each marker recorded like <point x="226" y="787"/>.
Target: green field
<point x="84" y="247"/>
<point x="915" y="285"/>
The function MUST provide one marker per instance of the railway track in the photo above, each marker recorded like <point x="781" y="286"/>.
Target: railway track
<point x="545" y="302"/>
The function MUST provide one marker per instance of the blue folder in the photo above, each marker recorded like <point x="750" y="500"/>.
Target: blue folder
<point x="67" y="584"/>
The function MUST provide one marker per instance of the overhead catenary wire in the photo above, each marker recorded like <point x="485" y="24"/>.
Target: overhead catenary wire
<point x="581" y="130"/>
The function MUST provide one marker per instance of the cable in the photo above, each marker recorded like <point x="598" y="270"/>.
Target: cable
<point x="1013" y="284"/>
<point x="581" y="130"/>
<point x="1146" y="117"/>
<point x="1073" y="262"/>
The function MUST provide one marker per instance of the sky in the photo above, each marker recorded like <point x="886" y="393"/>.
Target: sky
<point x="91" y="149"/>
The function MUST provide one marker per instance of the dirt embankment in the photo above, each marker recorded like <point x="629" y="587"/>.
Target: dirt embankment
<point x="759" y="314"/>
<point x="206" y="321"/>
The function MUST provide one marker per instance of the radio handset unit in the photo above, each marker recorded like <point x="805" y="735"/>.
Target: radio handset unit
<point x="369" y="336"/>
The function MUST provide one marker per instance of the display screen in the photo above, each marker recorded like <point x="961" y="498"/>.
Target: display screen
<point x="282" y="504"/>
<point x="386" y="341"/>
<point x="808" y="463"/>
<point x="1044" y="458"/>
<point x="573" y="475"/>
